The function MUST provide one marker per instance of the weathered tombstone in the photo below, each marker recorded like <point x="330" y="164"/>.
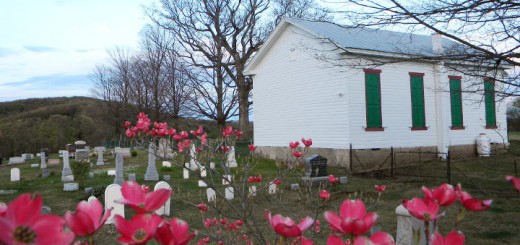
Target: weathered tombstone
<point x="315" y="166"/>
<point x="211" y="194"/>
<point x="166" y="164"/>
<point x="203" y="172"/>
<point x="46" y="150"/>
<point x="295" y="187"/>
<point x="226" y="179"/>
<point x="80" y="144"/>
<point x="119" y="178"/>
<point x="46" y="210"/>
<point x="82" y="155"/>
<point x="60" y="153"/>
<point x="229" y="193"/>
<point x="35" y="165"/>
<point x="343" y="179"/>
<point x="111" y="172"/>
<point x="231" y="160"/>
<point x="165" y="209"/>
<point x="66" y="173"/>
<point x="131" y="177"/>
<point x="212" y="165"/>
<point x="53" y="162"/>
<point x="46" y="173"/>
<point x="166" y="177"/>
<point x="16" y="160"/>
<point x="124" y="151"/>
<point x="252" y="190"/>
<point x="113" y="194"/>
<point x="28" y="156"/>
<point x="100" y="161"/>
<point x="202" y="183"/>
<point x="88" y="190"/>
<point x="185" y="173"/>
<point x="91" y="198"/>
<point x="43" y="158"/>
<point x="15" y="174"/>
<point x="151" y="170"/>
<point x="407" y="225"/>
<point x="194" y="164"/>
<point x="70" y="187"/>
<point x="272" y="188"/>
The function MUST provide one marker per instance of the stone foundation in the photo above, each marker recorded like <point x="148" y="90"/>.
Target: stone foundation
<point x="365" y="160"/>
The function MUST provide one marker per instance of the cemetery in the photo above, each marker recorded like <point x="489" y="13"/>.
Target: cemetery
<point x="293" y="189"/>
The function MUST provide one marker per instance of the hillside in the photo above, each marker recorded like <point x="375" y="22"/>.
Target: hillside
<point x="31" y="124"/>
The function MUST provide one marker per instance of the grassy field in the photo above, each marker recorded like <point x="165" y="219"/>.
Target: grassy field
<point x="481" y="177"/>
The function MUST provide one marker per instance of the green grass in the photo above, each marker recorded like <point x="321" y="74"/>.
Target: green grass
<point x="483" y="178"/>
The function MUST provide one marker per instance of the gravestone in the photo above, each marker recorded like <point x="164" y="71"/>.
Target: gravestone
<point x="53" y="162"/>
<point x="194" y="164"/>
<point x="211" y="165"/>
<point x="80" y="144"/>
<point x="88" y="190"/>
<point x="100" y="161"/>
<point x="211" y="194"/>
<point x="295" y="187"/>
<point x="229" y="193"/>
<point x="70" y="187"/>
<point x="35" y="165"/>
<point x="185" y="173"/>
<point x="111" y="172"/>
<point x="91" y="198"/>
<point x="226" y="179"/>
<point x="100" y="148"/>
<point x="315" y="166"/>
<point x="124" y="151"/>
<point x="66" y="173"/>
<point x="82" y="155"/>
<point x="407" y="225"/>
<point x="252" y="190"/>
<point x="164" y="150"/>
<point x="46" y="173"/>
<point x="166" y="177"/>
<point x="272" y="188"/>
<point x="113" y="194"/>
<point x="203" y="172"/>
<point x="343" y="180"/>
<point x="60" y="153"/>
<point x="151" y="170"/>
<point x="46" y="210"/>
<point x="202" y="183"/>
<point x="119" y="178"/>
<point x="28" y="156"/>
<point x="15" y="174"/>
<point x="43" y="162"/>
<point x="16" y="160"/>
<point x="91" y="175"/>
<point x="131" y="177"/>
<point x="165" y="209"/>
<point x="46" y="150"/>
<point x="231" y="160"/>
<point x="166" y="164"/>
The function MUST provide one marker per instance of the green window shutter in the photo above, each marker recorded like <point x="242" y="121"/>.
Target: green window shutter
<point x="417" y="92"/>
<point x="489" y="97"/>
<point x="373" y="100"/>
<point x="456" y="102"/>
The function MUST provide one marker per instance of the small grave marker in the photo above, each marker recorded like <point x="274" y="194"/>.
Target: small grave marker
<point x="165" y="209"/>
<point x="211" y="194"/>
<point x="229" y="193"/>
<point x="15" y="174"/>
<point x="113" y="194"/>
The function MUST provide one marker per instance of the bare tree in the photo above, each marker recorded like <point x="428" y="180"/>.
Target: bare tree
<point x="238" y="27"/>
<point x="487" y="31"/>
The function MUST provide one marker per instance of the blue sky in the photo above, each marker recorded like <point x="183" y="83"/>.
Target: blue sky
<point x="48" y="47"/>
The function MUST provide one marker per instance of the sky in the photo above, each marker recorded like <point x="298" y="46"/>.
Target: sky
<point x="49" y="47"/>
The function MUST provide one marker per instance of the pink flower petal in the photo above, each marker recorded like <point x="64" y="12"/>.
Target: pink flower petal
<point x="156" y="199"/>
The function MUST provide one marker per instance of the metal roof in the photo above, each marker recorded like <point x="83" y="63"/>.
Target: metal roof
<point x="374" y="39"/>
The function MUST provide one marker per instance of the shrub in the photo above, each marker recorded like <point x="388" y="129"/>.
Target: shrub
<point x="80" y="170"/>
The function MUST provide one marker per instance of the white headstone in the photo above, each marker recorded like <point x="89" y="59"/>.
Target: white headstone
<point x="111" y="172"/>
<point x="16" y="160"/>
<point x="202" y="183"/>
<point x="60" y="152"/>
<point x="194" y="164"/>
<point x="165" y="209"/>
<point x="91" y="198"/>
<point x="151" y="170"/>
<point x="100" y="160"/>
<point x="272" y="188"/>
<point x="15" y="174"/>
<point x="211" y="194"/>
<point x="252" y="190"/>
<point x="35" y="165"/>
<point x="343" y="179"/>
<point x="43" y="160"/>
<point x="212" y="165"/>
<point x="231" y="160"/>
<point x="166" y="164"/>
<point x="113" y="194"/>
<point x="125" y="151"/>
<point x="185" y="173"/>
<point x="407" y="225"/>
<point x="82" y="155"/>
<point x="70" y="187"/>
<point x="28" y="156"/>
<point x="226" y="179"/>
<point x="203" y="172"/>
<point x="66" y="173"/>
<point x="229" y="193"/>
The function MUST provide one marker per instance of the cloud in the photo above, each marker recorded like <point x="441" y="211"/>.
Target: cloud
<point x="40" y="49"/>
<point x="46" y="86"/>
<point x="6" y="51"/>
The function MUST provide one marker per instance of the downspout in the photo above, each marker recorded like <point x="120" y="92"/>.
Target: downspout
<point x="441" y="99"/>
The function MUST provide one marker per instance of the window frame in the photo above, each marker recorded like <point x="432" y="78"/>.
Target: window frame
<point x="367" y="128"/>
<point x="421" y="76"/>
<point x="459" y="79"/>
